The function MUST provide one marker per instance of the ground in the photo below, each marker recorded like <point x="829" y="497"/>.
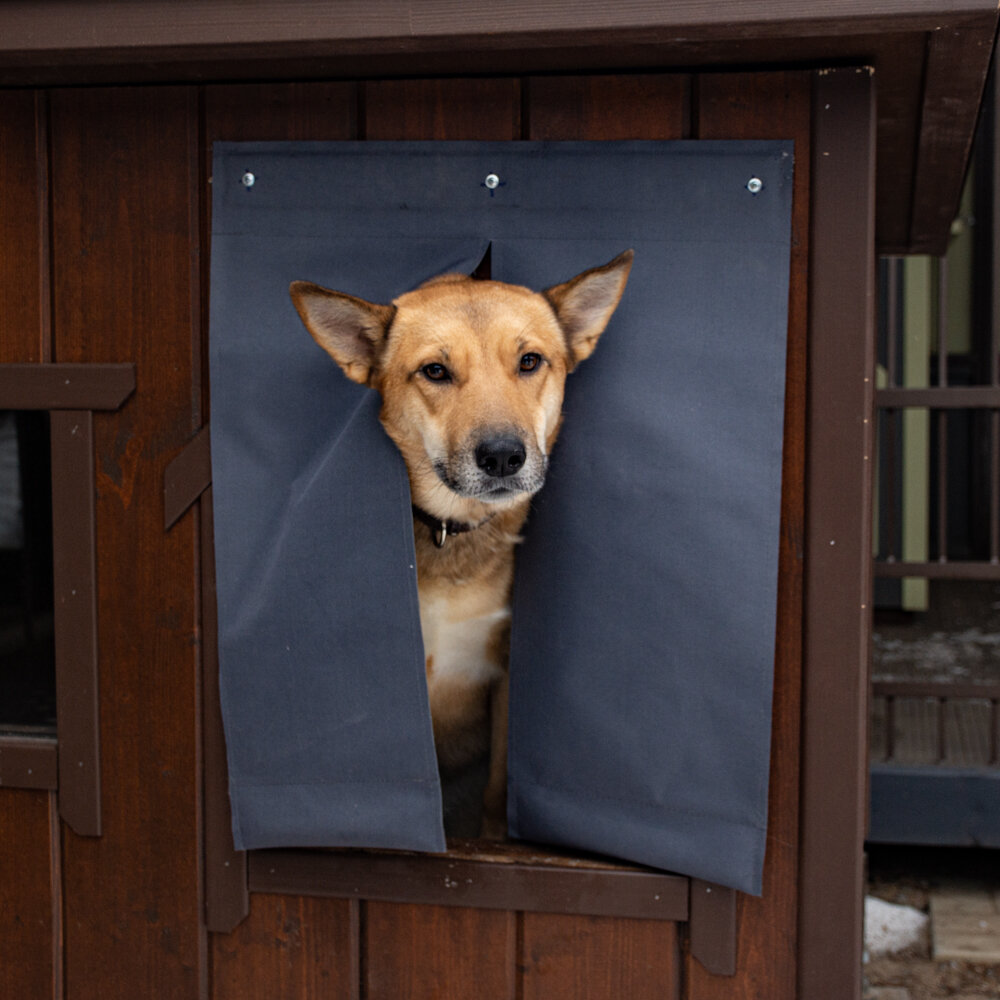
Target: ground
<point x="908" y="876"/>
<point x="957" y="638"/>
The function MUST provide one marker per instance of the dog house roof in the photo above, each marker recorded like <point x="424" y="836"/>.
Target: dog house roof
<point x="930" y="58"/>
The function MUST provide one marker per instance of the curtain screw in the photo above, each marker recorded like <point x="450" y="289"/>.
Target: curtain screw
<point x="755" y="185"/>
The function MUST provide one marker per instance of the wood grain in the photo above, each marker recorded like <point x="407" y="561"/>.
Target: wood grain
<point x="640" y="106"/>
<point x="124" y="168"/>
<point x="774" y="106"/>
<point x="295" y="948"/>
<point x="435" y="952"/>
<point x="29" y="930"/>
<point x="261" y="112"/>
<point x="471" y="108"/>
<point x="23" y="235"/>
<point x="598" y="958"/>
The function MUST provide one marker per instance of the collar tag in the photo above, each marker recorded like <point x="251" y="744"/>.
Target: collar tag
<point x="441" y="534"/>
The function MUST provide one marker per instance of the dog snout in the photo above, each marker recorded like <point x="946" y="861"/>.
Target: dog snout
<point x="501" y="457"/>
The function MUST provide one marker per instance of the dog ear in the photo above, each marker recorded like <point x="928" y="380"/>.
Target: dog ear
<point x="584" y="304"/>
<point x="350" y="330"/>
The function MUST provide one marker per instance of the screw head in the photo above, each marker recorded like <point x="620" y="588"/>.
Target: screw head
<point x="492" y="181"/>
<point x="755" y="185"/>
<point x="247" y="180"/>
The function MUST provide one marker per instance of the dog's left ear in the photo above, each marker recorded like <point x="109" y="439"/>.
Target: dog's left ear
<point x="584" y="304"/>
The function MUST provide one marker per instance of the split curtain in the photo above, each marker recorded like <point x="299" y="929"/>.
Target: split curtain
<point x="644" y="606"/>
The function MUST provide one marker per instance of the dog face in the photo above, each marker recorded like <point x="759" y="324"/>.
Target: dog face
<point x="471" y="375"/>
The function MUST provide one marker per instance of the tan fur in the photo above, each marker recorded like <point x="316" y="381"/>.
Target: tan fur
<point x="480" y="333"/>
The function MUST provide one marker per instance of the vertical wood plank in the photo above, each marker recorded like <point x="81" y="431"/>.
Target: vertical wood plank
<point x="23" y="235"/>
<point x="124" y="167"/>
<point x="292" y="947"/>
<point x="640" y="106"/>
<point x="482" y="109"/>
<point x="598" y="958"/>
<point x="264" y="112"/>
<point x="418" y="952"/>
<point x="774" y="106"/>
<point x="838" y="541"/>
<point x="29" y="886"/>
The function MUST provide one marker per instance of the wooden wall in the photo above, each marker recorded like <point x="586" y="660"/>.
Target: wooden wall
<point x="103" y="218"/>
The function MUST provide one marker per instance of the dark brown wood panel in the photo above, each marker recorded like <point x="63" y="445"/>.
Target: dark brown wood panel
<point x="295" y="948"/>
<point x="470" y="108"/>
<point x="900" y="70"/>
<point x="280" y="111"/>
<point x="429" y="952"/>
<point x="29" y="875"/>
<point x="640" y="106"/>
<point x="838" y="540"/>
<point x="774" y="106"/>
<point x="125" y="236"/>
<point x="23" y="235"/>
<point x="598" y="958"/>
<point x="514" y="877"/>
<point x="74" y="582"/>
<point x="954" y="79"/>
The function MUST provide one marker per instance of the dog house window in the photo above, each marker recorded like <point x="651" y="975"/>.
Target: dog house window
<point x="27" y="652"/>
<point x="644" y="607"/>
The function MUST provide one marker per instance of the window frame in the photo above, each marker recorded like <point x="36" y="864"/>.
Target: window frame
<point x="69" y="761"/>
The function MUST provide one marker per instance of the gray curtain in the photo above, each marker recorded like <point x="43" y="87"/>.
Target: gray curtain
<point x="644" y="609"/>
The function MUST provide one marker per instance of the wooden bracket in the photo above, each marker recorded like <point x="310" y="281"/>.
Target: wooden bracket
<point x="713" y="927"/>
<point x="186" y="478"/>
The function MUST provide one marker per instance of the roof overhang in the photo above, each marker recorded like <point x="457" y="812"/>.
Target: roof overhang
<point x="930" y="58"/>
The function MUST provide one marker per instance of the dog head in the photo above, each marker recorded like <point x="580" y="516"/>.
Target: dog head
<point x="471" y="375"/>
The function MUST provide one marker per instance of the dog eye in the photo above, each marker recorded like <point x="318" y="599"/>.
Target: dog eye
<point x="436" y="372"/>
<point x="529" y="362"/>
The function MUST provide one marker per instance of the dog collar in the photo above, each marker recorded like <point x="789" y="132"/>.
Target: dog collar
<point x="440" y="530"/>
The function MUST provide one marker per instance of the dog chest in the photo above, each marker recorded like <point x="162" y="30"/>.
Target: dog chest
<point x="463" y="640"/>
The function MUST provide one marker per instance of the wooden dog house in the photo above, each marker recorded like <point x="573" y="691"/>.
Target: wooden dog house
<point x="117" y="872"/>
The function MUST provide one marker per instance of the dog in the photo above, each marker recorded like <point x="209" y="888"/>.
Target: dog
<point x="471" y="373"/>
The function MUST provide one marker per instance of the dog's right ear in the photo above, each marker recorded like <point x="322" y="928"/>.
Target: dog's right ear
<point x="352" y="331"/>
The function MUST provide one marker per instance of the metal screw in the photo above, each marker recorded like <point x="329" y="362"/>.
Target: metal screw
<point x="755" y="185"/>
<point x="248" y="179"/>
<point x="492" y="181"/>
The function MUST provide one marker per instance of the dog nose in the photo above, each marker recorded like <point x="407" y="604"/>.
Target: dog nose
<point x="500" y="456"/>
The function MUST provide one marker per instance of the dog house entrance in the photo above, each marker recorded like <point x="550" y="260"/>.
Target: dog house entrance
<point x="644" y="605"/>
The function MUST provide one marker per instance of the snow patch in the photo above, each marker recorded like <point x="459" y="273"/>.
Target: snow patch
<point x="890" y="928"/>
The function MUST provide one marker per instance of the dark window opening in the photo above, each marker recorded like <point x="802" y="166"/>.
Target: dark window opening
<point x="27" y="651"/>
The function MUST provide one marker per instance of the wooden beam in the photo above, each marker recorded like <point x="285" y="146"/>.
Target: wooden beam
<point x="838" y="536"/>
<point x="65" y="386"/>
